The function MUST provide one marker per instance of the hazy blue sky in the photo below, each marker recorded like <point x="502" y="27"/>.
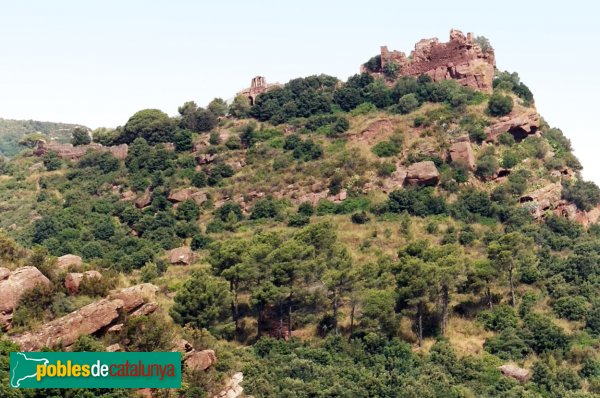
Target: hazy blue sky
<point x="97" y="62"/>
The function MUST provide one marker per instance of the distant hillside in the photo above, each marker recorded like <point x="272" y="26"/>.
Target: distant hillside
<point x="11" y="132"/>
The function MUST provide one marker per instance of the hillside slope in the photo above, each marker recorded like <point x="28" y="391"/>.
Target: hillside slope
<point x="418" y="230"/>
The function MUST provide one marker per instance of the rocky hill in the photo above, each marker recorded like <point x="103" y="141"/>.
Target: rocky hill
<point x="417" y="230"/>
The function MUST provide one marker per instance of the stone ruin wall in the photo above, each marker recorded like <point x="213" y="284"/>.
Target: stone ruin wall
<point x="460" y="59"/>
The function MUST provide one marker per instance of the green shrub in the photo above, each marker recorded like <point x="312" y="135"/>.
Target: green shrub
<point x="571" y="308"/>
<point x="507" y="345"/>
<point x="408" y="103"/>
<point x="386" y="149"/>
<point x="585" y="194"/>
<point x="506" y="139"/>
<point x="486" y="166"/>
<point x="200" y="241"/>
<point x="385" y="169"/>
<point x="265" y="208"/>
<point x="500" y="318"/>
<point x="360" y="218"/>
<point x="500" y="105"/>
<point x="298" y="220"/>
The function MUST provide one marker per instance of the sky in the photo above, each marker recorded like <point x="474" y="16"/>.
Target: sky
<point x="97" y="62"/>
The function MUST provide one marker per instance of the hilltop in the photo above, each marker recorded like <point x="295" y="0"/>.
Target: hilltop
<point x="416" y="230"/>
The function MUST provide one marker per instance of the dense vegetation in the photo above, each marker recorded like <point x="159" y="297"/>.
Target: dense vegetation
<point x="335" y="287"/>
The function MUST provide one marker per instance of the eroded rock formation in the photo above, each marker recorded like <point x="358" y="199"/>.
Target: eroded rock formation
<point x="519" y="123"/>
<point x="67" y="261"/>
<point x="542" y="199"/>
<point x="422" y="174"/>
<point x="460" y="59"/>
<point x="12" y="287"/>
<point x="181" y="256"/>
<point x="515" y="372"/>
<point x="462" y="153"/>
<point x="87" y="320"/>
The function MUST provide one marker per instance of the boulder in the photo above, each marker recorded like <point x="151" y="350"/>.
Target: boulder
<point x="188" y="193"/>
<point x="200" y="360"/>
<point x="73" y="280"/>
<point x="422" y="174"/>
<point x="233" y="388"/>
<point x="462" y="153"/>
<point x="181" y="256"/>
<point x="87" y="320"/>
<point x="144" y="200"/>
<point x="16" y="284"/>
<point x="114" y="348"/>
<point x="135" y="296"/>
<point x="205" y="158"/>
<point x="67" y="261"/>
<point x="519" y="123"/>
<point x="64" y="331"/>
<point x="542" y="199"/>
<point x="515" y="372"/>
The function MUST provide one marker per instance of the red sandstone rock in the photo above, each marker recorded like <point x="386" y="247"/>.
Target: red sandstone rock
<point x="461" y="152"/>
<point x="422" y="174"/>
<point x="67" y="261"/>
<point x="16" y="284"/>
<point x="135" y="296"/>
<point x="200" y="360"/>
<point x="144" y="200"/>
<point x="460" y="59"/>
<point x="181" y="256"/>
<point x="87" y="320"/>
<point x="542" y="199"/>
<point x="515" y="372"/>
<point x="188" y="193"/>
<point x="518" y="124"/>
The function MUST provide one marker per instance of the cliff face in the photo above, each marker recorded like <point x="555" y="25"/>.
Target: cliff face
<point x="460" y="59"/>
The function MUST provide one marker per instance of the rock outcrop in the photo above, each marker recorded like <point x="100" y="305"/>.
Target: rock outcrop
<point x="542" y="199"/>
<point x="181" y="256"/>
<point x="515" y="372"/>
<point x="144" y="200"/>
<point x="462" y="153"/>
<point x="460" y="59"/>
<point x="422" y="174"/>
<point x="233" y="388"/>
<point x="70" y="152"/>
<point x="188" y="193"/>
<point x="87" y="320"/>
<point x="67" y="261"/>
<point x="520" y="125"/>
<point x="74" y="279"/>
<point x="200" y="360"/>
<point x="12" y="287"/>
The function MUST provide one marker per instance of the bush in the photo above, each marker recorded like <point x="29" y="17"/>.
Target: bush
<point x="200" y="241"/>
<point x="486" y="166"/>
<point x="80" y="136"/>
<point x="223" y="212"/>
<point x="500" y="105"/>
<point x="264" y="208"/>
<point x="385" y="169"/>
<point x="386" y="149"/>
<point x="500" y="318"/>
<point x="571" y="308"/>
<point x="585" y="194"/>
<point x="360" y="218"/>
<point x="415" y="201"/>
<point x="298" y="220"/>
<point x="593" y="320"/>
<point x="543" y="335"/>
<point x="199" y="179"/>
<point x="507" y="345"/>
<point x="408" y="103"/>
<point x="51" y="161"/>
<point x="306" y="209"/>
